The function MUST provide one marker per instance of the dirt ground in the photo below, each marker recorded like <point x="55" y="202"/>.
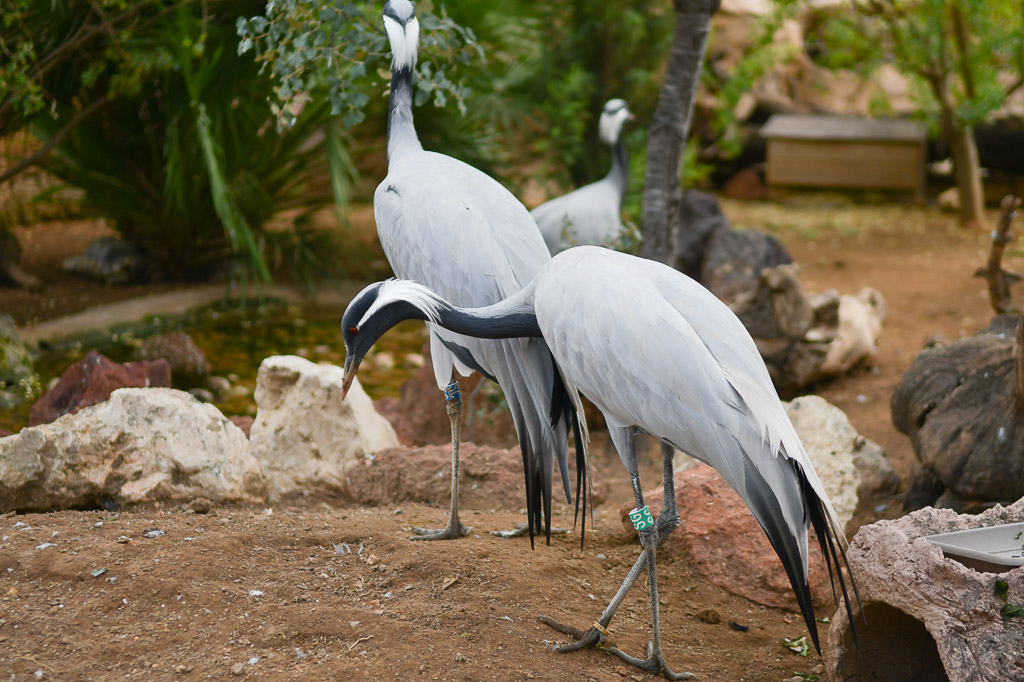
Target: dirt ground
<point x="254" y="592"/>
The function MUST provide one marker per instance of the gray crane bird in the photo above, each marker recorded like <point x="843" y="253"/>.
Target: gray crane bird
<point x="445" y="224"/>
<point x="591" y="214"/>
<point x="658" y="354"/>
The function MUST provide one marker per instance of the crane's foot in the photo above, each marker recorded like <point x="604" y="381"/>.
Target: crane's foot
<point x="654" y="663"/>
<point x="454" y="531"/>
<point x="523" y="529"/>
<point x="585" y="639"/>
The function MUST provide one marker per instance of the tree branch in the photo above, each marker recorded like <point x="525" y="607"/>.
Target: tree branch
<point x="999" y="280"/>
<point x="48" y="146"/>
<point x="963" y="47"/>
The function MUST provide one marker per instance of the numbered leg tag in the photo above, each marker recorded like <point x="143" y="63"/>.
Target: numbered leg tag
<point x="451" y="392"/>
<point x="641" y="518"/>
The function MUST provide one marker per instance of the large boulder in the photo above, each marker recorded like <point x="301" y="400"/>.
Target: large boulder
<point x="700" y="215"/>
<point x="305" y="436"/>
<point x="927" y="616"/>
<point x="142" y="445"/>
<point x="15" y="365"/>
<point x="734" y="260"/>
<point x="805" y="338"/>
<point x="960" y="406"/>
<point x="92" y="380"/>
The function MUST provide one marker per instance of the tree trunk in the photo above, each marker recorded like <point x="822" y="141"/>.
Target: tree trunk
<point x="966" y="165"/>
<point x="670" y="125"/>
<point x="968" y="177"/>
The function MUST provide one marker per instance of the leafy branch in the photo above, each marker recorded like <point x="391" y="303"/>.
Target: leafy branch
<point x="336" y="46"/>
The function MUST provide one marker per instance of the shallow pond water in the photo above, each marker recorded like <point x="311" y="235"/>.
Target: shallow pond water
<point x="236" y="340"/>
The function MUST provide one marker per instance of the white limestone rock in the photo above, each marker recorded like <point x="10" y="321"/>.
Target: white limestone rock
<point x="860" y="325"/>
<point x="304" y="435"/>
<point x="850" y="466"/>
<point x="141" y="445"/>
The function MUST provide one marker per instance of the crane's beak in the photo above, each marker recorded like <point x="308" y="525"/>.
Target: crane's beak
<point x="351" y="366"/>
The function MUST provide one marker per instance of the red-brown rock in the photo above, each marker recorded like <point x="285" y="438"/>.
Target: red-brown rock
<point x="4" y="432"/>
<point x="91" y="380"/>
<point x="243" y="422"/>
<point x="721" y="539"/>
<point x="188" y="363"/>
<point x="746" y="184"/>
<point x="490" y="478"/>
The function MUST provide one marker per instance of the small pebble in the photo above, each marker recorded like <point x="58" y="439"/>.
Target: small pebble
<point x="237" y="668"/>
<point x="155" y="533"/>
<point x="123" y="540"/>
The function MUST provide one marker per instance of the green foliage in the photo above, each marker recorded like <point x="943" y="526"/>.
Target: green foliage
<point x="1008" y="610"/>
<point x="967" y="55"/>
<point x="333" y="46"/>
<point x="181" y="153"/>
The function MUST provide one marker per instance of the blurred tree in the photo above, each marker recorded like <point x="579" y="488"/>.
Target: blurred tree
<point x="964" y="58"/>
<point x="670" y="126"/>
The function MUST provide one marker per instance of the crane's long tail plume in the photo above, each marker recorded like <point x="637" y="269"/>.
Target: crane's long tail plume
<point x="830" y="539"/>
<point x="564" y="407"/>
<point x="788" y="544"/>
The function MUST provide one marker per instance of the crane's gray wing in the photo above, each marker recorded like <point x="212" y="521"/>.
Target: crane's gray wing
<point x="588" y="215"/>
<point x="663" y="354"/>
<point x="448" y="226"/>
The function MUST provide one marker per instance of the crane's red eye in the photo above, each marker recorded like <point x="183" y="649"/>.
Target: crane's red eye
<point x="353" y="330"/>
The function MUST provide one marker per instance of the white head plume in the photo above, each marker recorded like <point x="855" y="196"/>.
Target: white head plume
<point x="615" y="113"/>
<point x="404" y="42"/>
<point x="417" y="295"/>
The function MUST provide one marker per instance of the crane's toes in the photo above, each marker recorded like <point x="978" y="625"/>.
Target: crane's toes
<point x="523" y="529"/>
<point x="584" y="639"/>
<point x="452" y="532"/>
<point x="654" y="663"/>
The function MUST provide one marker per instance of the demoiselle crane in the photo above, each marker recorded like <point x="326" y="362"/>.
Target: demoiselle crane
<point x="658" y="354"/>
<point x="447" y="225"/>
<point x="591" y="214"/>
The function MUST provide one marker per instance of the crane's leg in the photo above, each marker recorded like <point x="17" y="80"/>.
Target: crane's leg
<point x="455" y="528"/>
<point x="668" y="519"/>
<point x="650" y="540"/>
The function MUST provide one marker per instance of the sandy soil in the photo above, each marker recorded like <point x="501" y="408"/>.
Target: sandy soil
<point x="250" y="592"/>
